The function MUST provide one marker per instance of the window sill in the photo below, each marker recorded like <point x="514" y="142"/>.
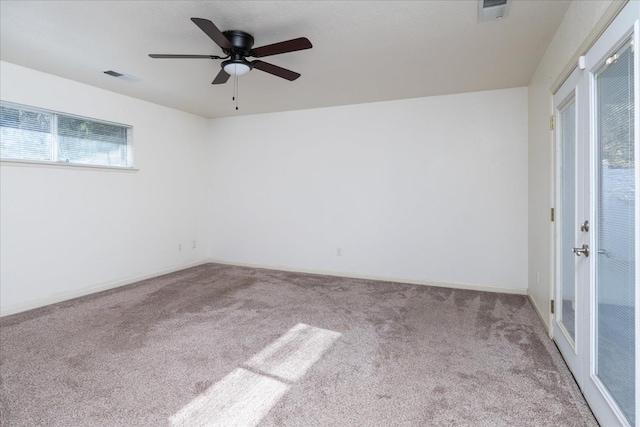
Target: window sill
<point x="35" y="163"/>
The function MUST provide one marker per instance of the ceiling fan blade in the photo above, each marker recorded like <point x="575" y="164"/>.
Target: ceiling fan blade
<point x="282" y="47"/>
<point x="221" y="78"/>
<point x="163" y="55"/>
<point x="213" y="32"/>
<point x="275" y="70"/>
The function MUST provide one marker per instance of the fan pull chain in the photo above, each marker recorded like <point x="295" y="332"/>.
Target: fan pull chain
<point x="237" y="87"/>
<point x="235" y="90"/>
<point x="235" y="80"/>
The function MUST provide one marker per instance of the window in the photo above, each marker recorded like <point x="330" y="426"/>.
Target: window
<point x="33" y="134"/>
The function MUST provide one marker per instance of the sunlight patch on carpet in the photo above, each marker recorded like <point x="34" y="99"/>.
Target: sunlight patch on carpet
<point x="243" y="398"/>
<point x="291" y="355"/>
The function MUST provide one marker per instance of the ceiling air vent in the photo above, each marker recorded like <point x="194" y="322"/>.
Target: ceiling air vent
<point x="489" y="10"/>
<point x="114" y="73"/>
<point x="121" y="76"/>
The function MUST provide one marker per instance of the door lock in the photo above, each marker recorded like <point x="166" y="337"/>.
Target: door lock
<point x="585" y="226"/>
<point x="583" y="250"/>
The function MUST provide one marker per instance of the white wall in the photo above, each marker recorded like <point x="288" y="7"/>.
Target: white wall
<point x="578" y="23"/>
<point x="429" y="189"/>
<point x="66" y="231"/>
<point x="426" y="190"/>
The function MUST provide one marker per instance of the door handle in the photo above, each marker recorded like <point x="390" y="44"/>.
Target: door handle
<point x="583" y="250"/>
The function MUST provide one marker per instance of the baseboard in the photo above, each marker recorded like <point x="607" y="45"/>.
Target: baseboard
<point x="545" y="322"/>
<point x="377" y="278"/>
<point x="13" y="309"/>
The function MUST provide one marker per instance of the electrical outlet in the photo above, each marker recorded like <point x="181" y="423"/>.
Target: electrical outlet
<point x="179" y="247"/>
<point x="193" y="244"/>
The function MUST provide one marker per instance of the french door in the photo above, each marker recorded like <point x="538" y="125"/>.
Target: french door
<point x="596" y="320"/>
<point x="572" y="271"/>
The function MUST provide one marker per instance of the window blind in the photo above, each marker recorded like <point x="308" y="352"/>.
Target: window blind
<point x="89" y="142"/>
<point x="25" y="134"/>
<point x="28" y="133"/>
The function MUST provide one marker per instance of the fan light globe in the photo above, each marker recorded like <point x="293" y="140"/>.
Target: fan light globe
<point x="237" y="69"/>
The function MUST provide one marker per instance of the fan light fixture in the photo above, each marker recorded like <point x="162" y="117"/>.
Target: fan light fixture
<point x="236" y="68"/>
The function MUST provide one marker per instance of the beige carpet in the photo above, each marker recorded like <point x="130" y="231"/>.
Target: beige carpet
<point x="223" y="345"/>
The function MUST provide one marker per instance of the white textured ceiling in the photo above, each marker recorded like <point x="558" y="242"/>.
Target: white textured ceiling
<point x="363" y="51"/>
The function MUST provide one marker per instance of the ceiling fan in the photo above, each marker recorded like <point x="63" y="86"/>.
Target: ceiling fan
<point x="237" y="46"/>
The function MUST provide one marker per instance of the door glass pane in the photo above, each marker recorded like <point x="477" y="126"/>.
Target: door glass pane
<point x="566" y="310"/>
<point x="615" y="238"/>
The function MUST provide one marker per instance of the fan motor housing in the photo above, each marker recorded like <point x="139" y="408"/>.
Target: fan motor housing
<point x="240" y="40"/>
